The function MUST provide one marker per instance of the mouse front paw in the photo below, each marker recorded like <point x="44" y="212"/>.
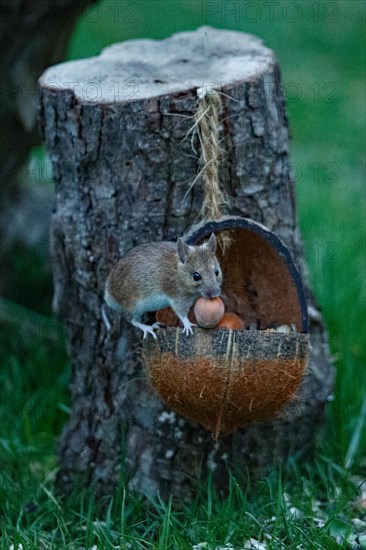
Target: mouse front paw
<point x="187" y="326"/>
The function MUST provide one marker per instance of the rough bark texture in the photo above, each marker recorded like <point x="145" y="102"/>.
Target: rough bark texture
<point x="33" y="35"/>
<point x="122" y="169"/>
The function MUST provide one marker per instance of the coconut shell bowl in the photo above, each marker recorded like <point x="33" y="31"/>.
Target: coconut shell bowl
<point x="252" y="358"/>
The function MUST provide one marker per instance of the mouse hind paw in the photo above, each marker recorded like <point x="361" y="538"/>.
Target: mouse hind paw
<point x="158" y="325"/>
<point x="147" y="329"/>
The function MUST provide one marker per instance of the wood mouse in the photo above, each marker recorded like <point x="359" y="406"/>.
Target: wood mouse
<point x="160" y="274"/>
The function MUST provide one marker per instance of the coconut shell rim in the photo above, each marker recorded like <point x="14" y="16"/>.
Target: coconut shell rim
<point x="220" y="336"/>
<point x="213" y="330"/>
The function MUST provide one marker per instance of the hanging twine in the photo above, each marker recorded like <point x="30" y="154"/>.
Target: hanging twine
<point x="207" y="120"/>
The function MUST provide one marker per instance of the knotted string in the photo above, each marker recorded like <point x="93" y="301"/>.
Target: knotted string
<point x="207" y="120"/>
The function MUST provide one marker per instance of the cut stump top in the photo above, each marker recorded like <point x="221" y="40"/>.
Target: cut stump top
<point x="142" y="69"/>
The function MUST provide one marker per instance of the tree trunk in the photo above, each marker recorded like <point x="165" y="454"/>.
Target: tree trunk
<point x="33" y="35"/>
<point x="122" y="170"/>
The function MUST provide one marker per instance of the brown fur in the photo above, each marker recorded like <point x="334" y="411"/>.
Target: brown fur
<point x="154" y="269"/>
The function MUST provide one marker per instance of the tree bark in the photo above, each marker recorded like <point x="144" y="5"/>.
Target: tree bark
<point x="33" y="35"/>
<point x="122" y="168"/>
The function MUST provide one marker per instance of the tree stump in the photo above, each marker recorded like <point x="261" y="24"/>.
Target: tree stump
<point x="116" y="130"/>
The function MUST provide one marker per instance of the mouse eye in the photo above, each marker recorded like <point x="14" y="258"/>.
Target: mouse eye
<point x="217" y="272"/>
<point x="196" y="276"/>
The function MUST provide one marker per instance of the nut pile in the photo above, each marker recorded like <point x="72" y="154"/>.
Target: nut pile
<point x="210" y="313"/>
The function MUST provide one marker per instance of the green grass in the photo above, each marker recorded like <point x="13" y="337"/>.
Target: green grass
<point x="312" y="509"/>
<point x="301" y="507"/>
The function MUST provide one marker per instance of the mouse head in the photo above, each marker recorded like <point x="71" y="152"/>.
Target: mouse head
<point x="201" y="268"/>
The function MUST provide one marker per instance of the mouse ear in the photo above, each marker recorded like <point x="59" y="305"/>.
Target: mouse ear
<point x="183" y="250"/>
<point x="211" y="244"/>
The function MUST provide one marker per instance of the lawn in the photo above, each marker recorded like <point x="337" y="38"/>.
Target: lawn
<point x="320" y="47"/>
